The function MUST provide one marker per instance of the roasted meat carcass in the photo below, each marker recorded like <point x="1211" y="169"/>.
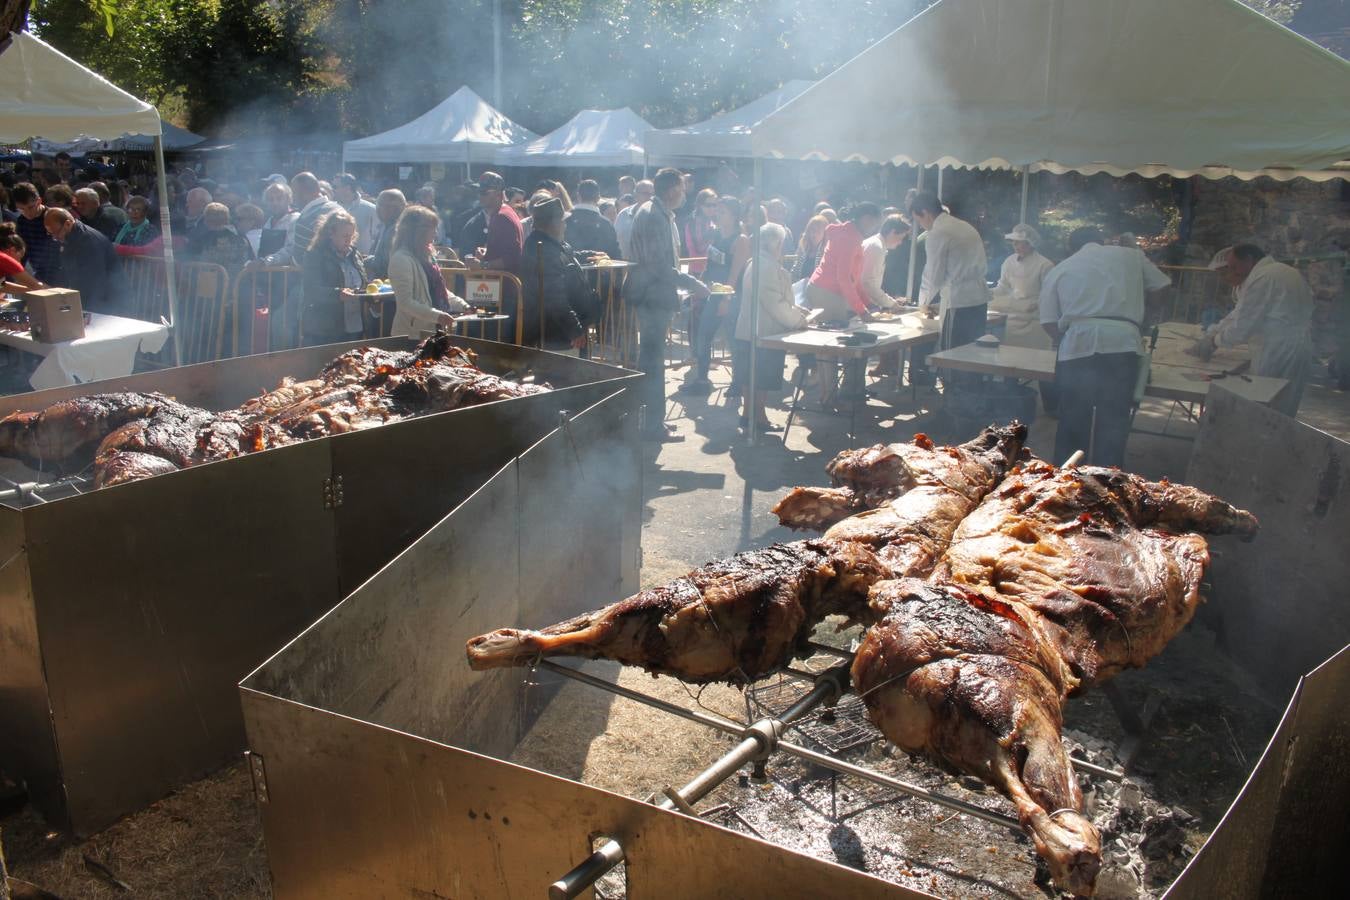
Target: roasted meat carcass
<point x="1057" y="581"/>
<point x="734" y="620"/>
<point x="133" y="436"/>
<point x="872" y="478"/>
<point x="1111" y="560"/>
<point x="977" y="684"/>
<point x="741" y="618"/>
<point x="65" y="435"/>
<point x="911" y="532"/>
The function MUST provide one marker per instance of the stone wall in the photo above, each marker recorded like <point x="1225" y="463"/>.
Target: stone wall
<point x="1289" y="219"/>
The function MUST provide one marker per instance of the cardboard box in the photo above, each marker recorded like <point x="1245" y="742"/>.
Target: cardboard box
<point x="55" y="315"/>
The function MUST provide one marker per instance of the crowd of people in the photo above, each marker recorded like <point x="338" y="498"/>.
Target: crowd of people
<point x="67" y="227"/>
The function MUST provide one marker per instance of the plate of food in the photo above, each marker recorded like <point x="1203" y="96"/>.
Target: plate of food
<point x="718" y="288"/>
<point x="857" y="338"/>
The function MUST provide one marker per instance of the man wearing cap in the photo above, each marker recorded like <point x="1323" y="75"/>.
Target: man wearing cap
<point x="1273" y="316"/>
<point x="1018" y="294"/>
<point x="502" y="238"/>
<point x="559" y="301"/>
<point x="1092" y="306"/>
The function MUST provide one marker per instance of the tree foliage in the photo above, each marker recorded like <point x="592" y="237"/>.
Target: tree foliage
<point x="1281" y="11"/>
<point x="205" y="59"/>
<point x="364" y="65"/>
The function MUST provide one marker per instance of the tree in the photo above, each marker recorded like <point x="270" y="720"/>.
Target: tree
<point x="252" y="63"/>
<point x="678" y="60"/>
<point x="1281" y="11"/>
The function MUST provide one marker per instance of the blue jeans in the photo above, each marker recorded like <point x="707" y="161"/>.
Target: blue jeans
<point x="709" y="321"/>
<point x="653" y="324"/>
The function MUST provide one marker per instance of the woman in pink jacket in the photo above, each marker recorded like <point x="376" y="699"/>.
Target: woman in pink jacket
<point x="836" y="285"/>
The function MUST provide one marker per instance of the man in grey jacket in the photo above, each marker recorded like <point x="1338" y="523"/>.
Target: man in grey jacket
<point x="653" y="289"/>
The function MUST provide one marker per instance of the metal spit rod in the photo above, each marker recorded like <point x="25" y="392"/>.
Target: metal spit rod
<point x="760" y="740"/>
<point x="904" y="787"/>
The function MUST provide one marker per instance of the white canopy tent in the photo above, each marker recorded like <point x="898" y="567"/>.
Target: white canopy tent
<point x="174" y="138"/>
<point x="47" y="93"/>
<point x="1204" y="87"/>
<point x="724" y="136"/>
<point x="1154" y="87"/>
<point x="459" y="129"/>
<point x="593" y="137"/>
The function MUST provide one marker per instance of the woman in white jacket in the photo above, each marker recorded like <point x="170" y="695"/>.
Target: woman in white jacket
<point x="422" y="300"/>
<point x="771" y="291"/>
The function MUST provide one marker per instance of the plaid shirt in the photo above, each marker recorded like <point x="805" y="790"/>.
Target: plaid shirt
<point x="656" y="274"/>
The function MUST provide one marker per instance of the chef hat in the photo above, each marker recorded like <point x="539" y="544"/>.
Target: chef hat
<point x="1024" y="233"/>
<point x="1221" y="259"/>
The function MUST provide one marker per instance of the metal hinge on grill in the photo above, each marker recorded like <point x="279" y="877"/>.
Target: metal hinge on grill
<point x="332" y="492"/>
<point x="259" y="773"/>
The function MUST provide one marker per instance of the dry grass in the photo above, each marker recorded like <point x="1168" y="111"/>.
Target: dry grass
<point x="203" y="841"/>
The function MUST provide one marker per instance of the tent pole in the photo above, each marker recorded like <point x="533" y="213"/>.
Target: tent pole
<point x="497" y="53"/>
<point x="166" y="235"/>
<point x="913" y="244"/>
<point x="1026" y="185"/>
<point x="749" y="398"/>
<point x="940" y="172"/>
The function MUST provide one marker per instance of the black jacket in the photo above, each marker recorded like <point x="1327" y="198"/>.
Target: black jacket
<point x="377" y="264"/>
<point x="89" y="265"/>
<point x="588" y="230"/>
<point x="551" y="270"/>
<point x="472" y="233"/>
<point x="221" y="246"/>
<point x="107" y="221"/>
<point x="322" y="307"/>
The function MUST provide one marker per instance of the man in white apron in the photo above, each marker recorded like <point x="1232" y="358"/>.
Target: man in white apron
<point x="1092" y="306"/>
<point x="1018" y="293"/>
<point x="1273" y="317"/>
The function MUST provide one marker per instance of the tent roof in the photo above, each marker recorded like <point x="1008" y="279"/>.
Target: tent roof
<point x="593" y="137"/>
<point x="441" y="134"/>
<point x="1113" y="85"/>
<point x="726" y="134"/>
<point x="50" y="95"/>
<point x="175" y="138"/>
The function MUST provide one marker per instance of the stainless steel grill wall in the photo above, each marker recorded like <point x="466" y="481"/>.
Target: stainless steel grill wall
<point x="128" y="615"/>
<point x="353" y="804"/>
<point x="379" y="755"/>
<point x="1283" y="606"/>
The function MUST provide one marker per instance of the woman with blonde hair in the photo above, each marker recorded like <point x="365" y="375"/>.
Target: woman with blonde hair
<point x="810" y="247"/>
<point x="333" y="278"/>
<point x="421" y="297"/>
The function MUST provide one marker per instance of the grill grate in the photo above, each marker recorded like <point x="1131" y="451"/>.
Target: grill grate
<point x="837" y="730"/>
<point x="21" y="495"/>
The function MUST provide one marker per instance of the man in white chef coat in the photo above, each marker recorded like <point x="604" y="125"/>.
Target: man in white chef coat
<point x="954" y="272"/>
<point x="1273" y="316"/>
<point x="1018" y="294"/>
<point x="1092" y="306"/>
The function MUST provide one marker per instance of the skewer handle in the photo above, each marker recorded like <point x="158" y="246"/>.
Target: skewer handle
<point x="588" y="872"/>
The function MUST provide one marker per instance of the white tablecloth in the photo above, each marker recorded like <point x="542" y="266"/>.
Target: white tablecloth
<point x="107" y="350"/>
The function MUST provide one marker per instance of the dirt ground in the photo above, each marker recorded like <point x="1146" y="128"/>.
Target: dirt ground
<point x="705" y="497"/>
